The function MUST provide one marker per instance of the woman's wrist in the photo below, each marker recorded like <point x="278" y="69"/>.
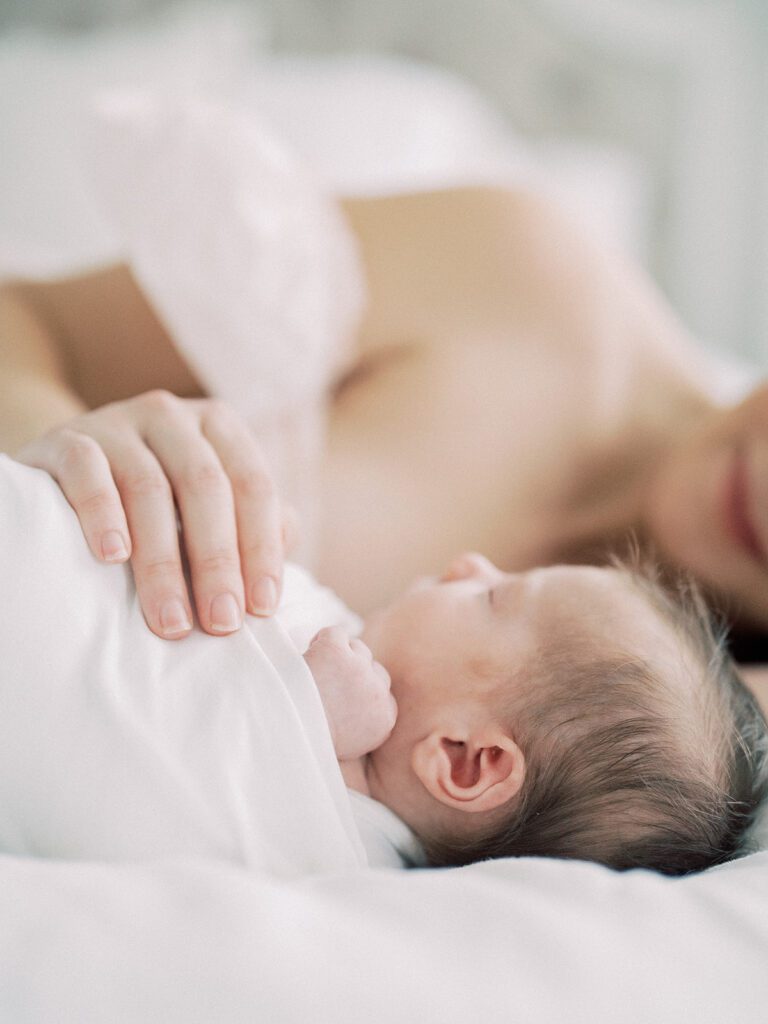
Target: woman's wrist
<point x="30" y="406"/>
<point x="35" y="393"/>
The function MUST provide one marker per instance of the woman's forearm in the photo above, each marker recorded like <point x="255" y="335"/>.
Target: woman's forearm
<point x="35" y="393"/>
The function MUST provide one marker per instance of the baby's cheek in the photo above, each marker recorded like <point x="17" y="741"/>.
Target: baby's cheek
<point x="483" y="668"/>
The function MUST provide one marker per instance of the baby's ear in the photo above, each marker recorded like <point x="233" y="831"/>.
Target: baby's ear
<point x="479" y="771"/>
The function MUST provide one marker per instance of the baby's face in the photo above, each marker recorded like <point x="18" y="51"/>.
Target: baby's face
<point x="462" y="640"/>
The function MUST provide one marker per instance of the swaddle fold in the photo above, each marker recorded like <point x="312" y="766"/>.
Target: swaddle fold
<point x="117" y="745"/>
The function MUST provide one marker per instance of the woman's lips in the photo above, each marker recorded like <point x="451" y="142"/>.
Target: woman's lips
<point x="737" y="521"/>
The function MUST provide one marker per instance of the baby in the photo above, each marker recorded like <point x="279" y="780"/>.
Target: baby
<point x="568" y="711"/>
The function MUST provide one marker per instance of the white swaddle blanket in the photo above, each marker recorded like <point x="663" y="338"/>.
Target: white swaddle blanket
<point x="115" y="744"/>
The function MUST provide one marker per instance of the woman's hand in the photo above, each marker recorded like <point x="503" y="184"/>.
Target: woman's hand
<point x="126" y="467"/>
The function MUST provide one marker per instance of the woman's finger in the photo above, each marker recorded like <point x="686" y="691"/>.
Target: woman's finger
<point x="257" y="507"/>
<point x="78" y="464"/>
<point x="151" y="514"/>
<point x="206" y="507"/>
<point x="291" y="532"/>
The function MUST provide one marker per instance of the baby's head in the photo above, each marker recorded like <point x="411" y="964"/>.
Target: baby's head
<point x="569" y="711"/>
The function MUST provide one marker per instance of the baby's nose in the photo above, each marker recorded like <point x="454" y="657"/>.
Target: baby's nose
<point x="467" y="565"/>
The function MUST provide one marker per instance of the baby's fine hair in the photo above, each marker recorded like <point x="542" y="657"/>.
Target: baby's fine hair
<point x="629" y="769"/>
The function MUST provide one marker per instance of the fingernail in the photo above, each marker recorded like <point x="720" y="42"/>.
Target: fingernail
<point x="174" y="618"/>
<point x="113" y="547"/>
<point x="264" y="596"/>
<point x="225" y="614"/>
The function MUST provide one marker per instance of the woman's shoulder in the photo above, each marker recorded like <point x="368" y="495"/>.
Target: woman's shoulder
<point x="430" y="257"/>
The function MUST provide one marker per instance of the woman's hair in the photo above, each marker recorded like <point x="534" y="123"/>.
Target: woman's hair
<point x="628" y="768"/>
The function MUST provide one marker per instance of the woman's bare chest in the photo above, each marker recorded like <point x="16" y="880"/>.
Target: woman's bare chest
<point x="471" y="448"/>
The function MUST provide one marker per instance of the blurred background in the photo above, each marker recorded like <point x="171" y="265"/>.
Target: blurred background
<point x="648" y="118"/>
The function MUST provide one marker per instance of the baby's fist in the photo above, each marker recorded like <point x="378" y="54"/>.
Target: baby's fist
<point x="354" y="689"/>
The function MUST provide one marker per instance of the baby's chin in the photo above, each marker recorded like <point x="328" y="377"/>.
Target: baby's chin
<point x="388" y="765"/>
<point x="389" y="770"/>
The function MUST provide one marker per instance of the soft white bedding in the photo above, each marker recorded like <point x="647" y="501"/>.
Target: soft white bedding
<point x="533" y="941"/>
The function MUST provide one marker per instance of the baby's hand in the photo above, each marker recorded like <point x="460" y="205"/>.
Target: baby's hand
<point x="354" y="689"/>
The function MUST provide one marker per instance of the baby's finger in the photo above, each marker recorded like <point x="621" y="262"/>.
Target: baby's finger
<point x="334" y="636"/>
<point x="80" y="467"/>
<point x="258" y="512"/>
<point x="382" y="674"/>
<point x="148" y="502"/>
<point x="393" y="710"/>
<point x="357" y="645"/>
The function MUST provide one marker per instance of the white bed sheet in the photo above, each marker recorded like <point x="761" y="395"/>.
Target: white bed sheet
<point x="532" y="941"/>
